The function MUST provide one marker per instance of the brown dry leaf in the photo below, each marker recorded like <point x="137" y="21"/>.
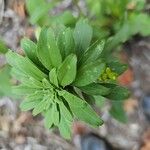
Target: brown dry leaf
<point x="126" y="78"/>
<point x="130" y="105"/>
<point x="19" y="8"/>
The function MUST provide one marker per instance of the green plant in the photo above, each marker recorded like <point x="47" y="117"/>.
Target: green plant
<point x="59" y="76"/>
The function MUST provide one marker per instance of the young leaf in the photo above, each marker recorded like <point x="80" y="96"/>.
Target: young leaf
<point x="53" y="77"/>
<point x="95" y="89"/>
<point x="24" y="65"/>
<point x="48" y="52"/>
<point x="82" y="36"/>
<point x="89" y="73"/>
<point x="66" y="43"/>
<point x="67" y="70"/>
<point x="81" y="109"/>
<point x="3" y="48"/>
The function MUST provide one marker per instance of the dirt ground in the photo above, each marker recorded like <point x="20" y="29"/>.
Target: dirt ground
<point x="20" y="131"/>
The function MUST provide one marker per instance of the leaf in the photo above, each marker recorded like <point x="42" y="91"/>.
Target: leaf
<point x="24" y="65"/>
<point x="117" y="111"/>
<point x="5" y="81"/>
<point x="67" y="70"/>
<point x="95" y="89"/>
<point x="48" y="52"/>
<point x="30" y="49"/>
<point x="38" y="9"/>
<point x="117" y="92"/>
<point x="3" y="48"/>
<point x="89" y="73"/>
<point x="53" y="77"/>
<point x="81" y="109"/>
<point x="93" y="52"/>
<point x="65" y="122"/>
<point x="117" y="67"/>
<point x="39" y="108"/>
<point x="66" y="43"/>
<point x="82" y="36"/>
<point x="28" y="105"/>
<point x="49" y="118"/>
<point x="23" y="90"/>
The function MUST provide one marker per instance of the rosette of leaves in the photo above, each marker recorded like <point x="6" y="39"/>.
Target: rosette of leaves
<point x="59" y="76"/>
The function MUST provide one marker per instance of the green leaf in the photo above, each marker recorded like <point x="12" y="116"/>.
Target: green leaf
<point x="49" y="118"/>
<point x="40" y="107"/>
<point x="117" y="67"/>
<point x="89" y="73"/>
<point x="65" y="121"/>
<point x="95" y="89"/>
<point x="93" y="52"/>
<point x="23" y="90"/>
<point x="66" y="43"/>
<point x="28" y="105"/>
<point x="81" y="109"/>
<point x="38" y="9"/>
<point x="117" y="92"/>
<point x="24" y="65"/>
<point x="48" y="52"/>
<point x="67" y="70"/>
<point x="3" y="48"/>
<point x="30" y="49"/>
<point x="82" y="36"/>
<point x="5" y="84"/>
<point x="53" y="77"/>
<point x="117" y="111"/>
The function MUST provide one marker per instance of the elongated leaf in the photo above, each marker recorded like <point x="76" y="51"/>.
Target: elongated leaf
<point x="82" y="36"/>
<point x="49" y="118"/>
<point x="48" y="52"/>
<point x="24" y="65"/>
<point x="117" y="67"/>
<point x="23" y="90"/>
<point x="81" y="109"/>
<point x="95" y="89"/>
<point x="89" y="73"/>
<point x="67" y="70"/>
<point x="65" y="122"/>
<point x="28" y="105"/>
<point x="117" y="111"/>
<point x="30" y="49"/>
<point x="39" y="108"/>
<point x="66" y="43"/>
<point x="53" y="77"/>
<point x="118" y="93"/>
<point x="3" y="48"/>
<point x="93" y="52"/>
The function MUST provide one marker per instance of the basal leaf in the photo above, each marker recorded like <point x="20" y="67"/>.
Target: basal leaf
<point x="49" y="118"/>
<point x="82" y="36"/>
<point x="95" y="89"/>
<point x="48" y="52"/>
<point x="81" y="109"/>
<point x="67" y="70"/>
<point x="89" y="73"/>
<point x="66" y="43"/>
<point x="24" y="65"/>
<point x="92" y="53"/>
<point x="65" y="122"/>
